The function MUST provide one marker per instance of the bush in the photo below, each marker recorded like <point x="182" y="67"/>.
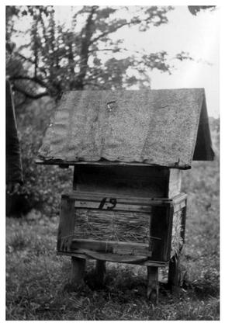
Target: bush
<point x="42" y="184"/>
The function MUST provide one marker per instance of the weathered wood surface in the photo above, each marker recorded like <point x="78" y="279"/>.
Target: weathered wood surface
<point x="152" y="284"/>
<point x="92" y="255"/>
<point x="66" y="223"/>
<point x="127" y="200"/>
<point x="100" y="271"/>
<point x="128" y="233"/>
<point x="119" y="258"/>
<point x="114" y="247"/>
<point x="174" y="184"/>
<point x="174" y="273"/>
<point x="78" y="271"/>
<point x="141" y="181"/>
<point x="156" y="127"/>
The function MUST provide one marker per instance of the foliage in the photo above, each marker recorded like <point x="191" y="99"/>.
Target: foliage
<point x="194" y="10"/>
<point x="43" y="185"/>
<point x="87" y="54"/>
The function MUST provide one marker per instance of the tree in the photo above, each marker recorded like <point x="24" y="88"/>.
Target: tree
<point x="58" y="58"/>
<point x="194" y="10"/>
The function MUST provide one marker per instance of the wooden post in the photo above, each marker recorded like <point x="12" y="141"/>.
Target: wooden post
<point x="152" y="284"/>
<point x="174" y="264"/>
<point x="100" y="270"/>
<point x="66" y="224"/>
<point x="174" y="273"/>
<point x="78" y="270"/>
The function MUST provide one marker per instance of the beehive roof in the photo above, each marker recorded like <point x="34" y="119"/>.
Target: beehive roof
<point x="156" y="127"/>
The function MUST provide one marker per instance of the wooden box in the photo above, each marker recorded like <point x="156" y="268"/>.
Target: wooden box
<point x="132" y="214"/>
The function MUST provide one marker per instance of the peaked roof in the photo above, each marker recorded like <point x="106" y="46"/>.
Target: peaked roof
<point x="156" y="127"/>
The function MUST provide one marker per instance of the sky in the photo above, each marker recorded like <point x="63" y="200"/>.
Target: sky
<point x="198" y="35"/>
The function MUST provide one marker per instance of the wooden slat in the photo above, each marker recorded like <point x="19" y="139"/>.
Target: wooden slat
<point x="84" y="200"/>
<point x="66" y="163"/>
<point x="161" y="226"/>
<point x="126" y="200"/>
<point x="179" y="206"/>
<point x="66" y="224"/>
<point x="120" y="248"/>
<point x="177" y="199"/>
<point x="107" y="205"/>
<point x="174" y="187"/>
<point x="39" y="160"/>
<point x="113" y="258"/>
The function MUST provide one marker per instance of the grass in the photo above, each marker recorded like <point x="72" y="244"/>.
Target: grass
<point x="37" y="280"/>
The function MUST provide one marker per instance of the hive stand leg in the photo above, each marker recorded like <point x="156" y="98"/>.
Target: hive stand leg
<point x="174" y="273"/>
<point x="100" y="271"/>
<point x="78" y="270"/>
<point x="152" y="284"/>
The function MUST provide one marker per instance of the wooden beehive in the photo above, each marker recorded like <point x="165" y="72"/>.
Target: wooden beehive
<point x="128" y="149"/>
<point x="117" y="204"/>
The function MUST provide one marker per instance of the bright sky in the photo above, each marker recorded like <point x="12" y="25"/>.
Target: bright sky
<point x="198" y="35"/>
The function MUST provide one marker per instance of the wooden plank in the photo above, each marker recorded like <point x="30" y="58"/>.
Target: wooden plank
<point x="179" y="198"/>
<point x="183" y="221"/>
<point x="66" y="224"/>
<point x="124" y="200"/>
<point x="113" y="258"/>
<point x="174" y="273"/>
<point x="78" y="271"/>
<point x="161" y="226"/>
<point x="110" y="204"/>
<point x="124" y="180"/>
<point x="113" y="247"/>
<point x="179" y="202"/>
<point x="39" y="160"/>
<point x="179" y="206"/>
<point x="152" y="284"/>
<point x="174" y="186"/>
<point x="100" y="271"/>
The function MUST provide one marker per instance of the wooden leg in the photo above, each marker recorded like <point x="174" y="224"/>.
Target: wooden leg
<point x="153" y="284"/>
<point x="100" y="271"/>
<point x="174" y="273"/>
<point x="78" y="270"/>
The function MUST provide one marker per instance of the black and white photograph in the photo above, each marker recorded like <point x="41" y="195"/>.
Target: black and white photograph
<point x="112" y="162"/>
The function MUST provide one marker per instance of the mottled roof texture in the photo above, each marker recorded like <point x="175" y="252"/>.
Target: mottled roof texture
<point x="155" y="127"/>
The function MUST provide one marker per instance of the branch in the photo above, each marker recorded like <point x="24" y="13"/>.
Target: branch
<point x="28" y="95"/>
<point x="33" y="79"/>
<point x="23" y="57"/>
<point x="109" y="32"/>
<point x="29" y="60"/>
<point x="134" y="21"/>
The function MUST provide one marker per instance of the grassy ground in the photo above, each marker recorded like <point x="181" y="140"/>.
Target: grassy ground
<point x="37" y="281"/>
